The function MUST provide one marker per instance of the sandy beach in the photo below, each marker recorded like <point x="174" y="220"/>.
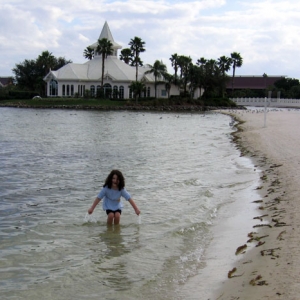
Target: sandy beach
<point x="266" y="264"/>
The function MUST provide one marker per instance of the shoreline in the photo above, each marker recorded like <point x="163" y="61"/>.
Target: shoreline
<point x="268" y="270"/>
<point x="137" y="107"/>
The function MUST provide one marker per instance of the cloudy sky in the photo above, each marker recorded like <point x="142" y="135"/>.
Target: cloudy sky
<point x="266" y="33"/>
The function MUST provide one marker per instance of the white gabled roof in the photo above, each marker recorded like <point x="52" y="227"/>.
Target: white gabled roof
<point x="69" y="72"/>
<point x="114" y="67"/>
<point x="92" y="70"/>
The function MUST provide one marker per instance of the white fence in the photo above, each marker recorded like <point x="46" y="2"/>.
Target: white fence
<point x="271" y="102"/>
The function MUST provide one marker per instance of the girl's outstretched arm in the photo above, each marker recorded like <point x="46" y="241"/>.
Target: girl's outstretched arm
<point x="137" y="211"/>
<point x="91" y="209"/>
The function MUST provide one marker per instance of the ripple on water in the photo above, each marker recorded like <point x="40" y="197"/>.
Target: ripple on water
<point x="179" y="170"/>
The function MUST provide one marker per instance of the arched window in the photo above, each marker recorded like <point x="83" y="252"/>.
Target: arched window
<point x="148" y="91"/>
<point x="107" y="90"/>
<point x="115" y="92"/>
<point x="98" y="91"/>
<point x="121" y="92"/>
<point x="53" y="88"/>
<point x="92" y="90"/>
<point x="72" y="90"/>
<point x="81" y="89"/>
<point x="63" y="90"/>
<point x="68" y="90"/>
<point x="130" y="93"/>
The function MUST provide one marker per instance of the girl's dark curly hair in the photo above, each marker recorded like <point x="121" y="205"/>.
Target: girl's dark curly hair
<point x="108" y="181"/>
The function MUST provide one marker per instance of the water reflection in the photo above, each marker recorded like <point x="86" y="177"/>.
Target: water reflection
<point x="115" y="246"/>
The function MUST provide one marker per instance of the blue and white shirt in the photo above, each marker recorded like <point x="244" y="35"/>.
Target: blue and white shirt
<point x="112" y="198"/>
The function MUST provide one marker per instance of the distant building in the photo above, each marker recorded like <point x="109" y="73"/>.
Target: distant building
<point x="252" y="82"/>
<point x="77" y="78"/>
<point x="6" y="81"/>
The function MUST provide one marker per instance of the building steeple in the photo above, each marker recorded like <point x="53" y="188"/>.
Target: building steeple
<point x="106" y="33"/>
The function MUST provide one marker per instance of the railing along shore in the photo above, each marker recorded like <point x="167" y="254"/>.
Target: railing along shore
<point x="271" y="102"/>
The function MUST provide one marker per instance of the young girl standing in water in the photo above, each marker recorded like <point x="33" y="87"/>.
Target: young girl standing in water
<point x="111" y="193"/>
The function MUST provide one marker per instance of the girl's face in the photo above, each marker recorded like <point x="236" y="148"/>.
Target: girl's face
<point x="115" y="181"/>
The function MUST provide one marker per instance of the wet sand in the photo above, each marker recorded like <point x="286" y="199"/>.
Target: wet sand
<point x="267" y="262"/>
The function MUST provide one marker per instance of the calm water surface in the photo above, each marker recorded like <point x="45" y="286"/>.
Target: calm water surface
<point x="179" y="168"/>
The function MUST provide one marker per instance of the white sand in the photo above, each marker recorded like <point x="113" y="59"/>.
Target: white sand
<point x="276" y="150"/>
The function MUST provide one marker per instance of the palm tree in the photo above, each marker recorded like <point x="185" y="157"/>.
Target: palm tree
<point x="210" y="73"/>
<point x="237" y="62"/>
<point x="194" y="79"/>
<point x="169" y="80"/>
<point x="184" y="63"/>
<point x="137" y="46"/>
<point x="159" y="70"/>
<point x="136" y="61"/>
<point x="105" y="49"/>
<point x="224" y="63"/>
<point x="126" y="55"/>
<point x="265" y="76"/>
<point x="89" y="53"/>
<point x="137" y="88"/>
<point x="174" y="60"/>
<point x="201" y="72"/>
<point x="201" y="61"/>
<point x="45" y="62"/>
<point x="61" y="61"/>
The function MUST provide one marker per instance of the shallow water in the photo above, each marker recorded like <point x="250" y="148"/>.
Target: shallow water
<point x="180" y="169"/>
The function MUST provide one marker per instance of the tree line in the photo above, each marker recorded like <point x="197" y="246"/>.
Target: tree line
<point x="29" y="74"/>
<point x="208" y="75"/>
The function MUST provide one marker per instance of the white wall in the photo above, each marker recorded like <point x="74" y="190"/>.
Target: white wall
<point x="271" y="102"/>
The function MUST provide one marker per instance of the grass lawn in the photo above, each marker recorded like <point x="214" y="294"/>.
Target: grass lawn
<point x="49" y="102"/>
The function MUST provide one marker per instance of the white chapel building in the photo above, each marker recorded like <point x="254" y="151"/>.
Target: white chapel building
<point x="76" y="78"/>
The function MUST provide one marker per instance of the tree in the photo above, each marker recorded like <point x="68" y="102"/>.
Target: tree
<point x="184" y="62"/>
<point x="89" y="53"/>
<point x="211" y="77"/>
<point x="136" y="61"/>
<point x="158" y="70"/>
<point x="237" y="62"/>
<point x="61" y="61"/>
<point x="174" y="60"/>
<point x="201" y="63"/>
<point x="137" y="88"/>
<point x="105" y="48"/>
<point x="137" y="46"/>
<point x="194" y="79"/>
<point x="30" y="73"/>
<point x="126" y="55"/>
<point x="46" y="61"/>
<point x="169" y="80"/>
<point x="224" y="64"/>
<point x="26" y="75"/>
<point x="286" y="83"/>
<point x="288" y="87"/>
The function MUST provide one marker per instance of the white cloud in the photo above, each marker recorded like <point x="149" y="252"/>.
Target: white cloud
<point x="264" y="32"/>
